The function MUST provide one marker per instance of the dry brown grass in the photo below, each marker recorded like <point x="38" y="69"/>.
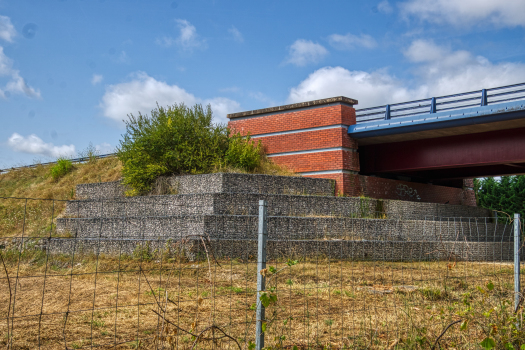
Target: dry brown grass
<point x="36" y="182"/>
<point x="267" y="167"/>
<point x="17" y="215"/>
<point x="334" y="304"/>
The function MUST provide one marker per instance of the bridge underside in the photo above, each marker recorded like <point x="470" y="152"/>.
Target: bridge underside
<point x="445" y="160"/>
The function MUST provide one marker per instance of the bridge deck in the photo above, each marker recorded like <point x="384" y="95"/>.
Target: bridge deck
<point x="448" y="123"/>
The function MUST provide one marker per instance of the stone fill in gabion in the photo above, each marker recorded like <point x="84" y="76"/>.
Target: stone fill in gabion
<point x="303" y="214"/>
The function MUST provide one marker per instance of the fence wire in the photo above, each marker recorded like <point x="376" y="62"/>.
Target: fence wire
<point x="180" y="272"/>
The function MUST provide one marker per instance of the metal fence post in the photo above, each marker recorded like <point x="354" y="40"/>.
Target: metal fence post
<point x="261" y="280"/>
<point x="517" y="290"/>
<point x="387" y="112"/>
<point x="433" y="105"/>
<point x="483" y="97"/>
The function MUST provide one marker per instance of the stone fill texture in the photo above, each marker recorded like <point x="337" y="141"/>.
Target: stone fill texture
<point x="304" y="218"/>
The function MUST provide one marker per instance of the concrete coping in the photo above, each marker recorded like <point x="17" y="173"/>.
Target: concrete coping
<point x="324" y="101"/>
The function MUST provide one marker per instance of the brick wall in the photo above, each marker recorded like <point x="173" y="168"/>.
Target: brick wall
<point x="296" y="119"/>
<point x="311" y="138"/>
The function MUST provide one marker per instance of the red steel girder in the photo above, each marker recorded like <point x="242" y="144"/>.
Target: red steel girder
<point x="450" y="152"/>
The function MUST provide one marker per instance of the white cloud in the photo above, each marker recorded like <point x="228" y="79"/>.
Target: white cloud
<point x="384" y="7"/>
<point x="349" y="41"/>
<point x="97" y="78"/>
<point x="143" y="93"/>
<point x="7" y="30"/>
<point x="188" y="38"/>
<point x="437" y="71"/>
<point x="34" y="145"/>
<point x="369" y="88"/>
<point x="236" y="34"/>
<point x="15" y="84"/>
<point x="467" y="12"/>
<point x="303" y="52"/>
<point x="165" y="41"/>
<point x="105" y="148"/>
<point x="122" y="57"/>
<point x="443" y="71"/>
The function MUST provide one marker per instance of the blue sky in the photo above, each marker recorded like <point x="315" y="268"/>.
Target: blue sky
<point x="71" y="70"/>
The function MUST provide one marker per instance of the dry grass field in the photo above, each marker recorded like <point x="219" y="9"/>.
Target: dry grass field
<point x="149" y="301"/>
<point x="152" y="300"/>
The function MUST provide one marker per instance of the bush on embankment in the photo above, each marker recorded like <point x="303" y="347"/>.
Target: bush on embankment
<point x="183" y="140"/>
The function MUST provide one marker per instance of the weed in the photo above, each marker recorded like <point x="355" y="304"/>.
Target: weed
<point x="62" y="167"/>
<point x="237" y="290"/>
<point x="155" y="291"/>
<point x="349" y="294"/>
<point x="143" y="252"/>
<point x="135" y="344"/>
<point x="98" y="323"/>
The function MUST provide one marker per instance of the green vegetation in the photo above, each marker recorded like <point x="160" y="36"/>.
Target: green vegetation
<point x="61" y="168"/>
<point x="182" y="140"/>
<point x="35" y="215"/>
<point x="506" y="195"/>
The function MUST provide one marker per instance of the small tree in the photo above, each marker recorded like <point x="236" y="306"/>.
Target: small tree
<point x="506" y="194"/>
<point x="180" y="140"/>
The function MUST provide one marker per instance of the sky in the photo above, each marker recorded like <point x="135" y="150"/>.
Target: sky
<point x="72" y="70"/>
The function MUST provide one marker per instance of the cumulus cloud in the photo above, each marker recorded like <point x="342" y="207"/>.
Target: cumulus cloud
<point x="97" y="78"/>
<point x="236" y="34"/>
<point x="369" y="88"/>
<point x="437" y="71"/>
<point x="142" y="93"/>
<point x="34" y="145"/>
<point x="445" y="71"/>
<point x="188" y="39"/>
<point x="303" y="52"/>
<point x="385" y="7"/>
<point x="466" y="12"/>
<point x="7" y="30"/>
<point x="15" y="83"/>
<point x="350" y="41"/>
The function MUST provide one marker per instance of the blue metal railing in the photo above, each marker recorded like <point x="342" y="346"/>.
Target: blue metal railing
<point x="482" y="97"/>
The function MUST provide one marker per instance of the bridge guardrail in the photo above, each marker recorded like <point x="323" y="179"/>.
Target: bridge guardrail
<point x="75" y="160"/>
<point x="483" y="97"/>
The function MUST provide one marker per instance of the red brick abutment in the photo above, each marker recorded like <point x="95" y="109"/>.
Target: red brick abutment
<point x="311" y="138"/>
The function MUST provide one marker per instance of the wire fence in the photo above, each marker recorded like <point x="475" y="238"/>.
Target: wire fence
<point x="181" y="272"/>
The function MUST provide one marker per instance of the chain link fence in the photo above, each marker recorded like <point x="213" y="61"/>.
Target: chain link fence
<point x="201" y="272"/>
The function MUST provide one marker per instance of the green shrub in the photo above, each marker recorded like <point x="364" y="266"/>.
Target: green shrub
<point x="180" y="140"/>
<point x="243" y="153"/>
<point x="61" y="168"/>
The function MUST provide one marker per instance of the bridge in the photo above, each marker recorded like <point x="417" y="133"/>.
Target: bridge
<point x="441" y="139"/>
<point x="426" y="150"/>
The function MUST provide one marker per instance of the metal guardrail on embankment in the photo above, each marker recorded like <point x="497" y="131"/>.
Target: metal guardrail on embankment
<point x="75" y="160"/>
<point x="482" y="97"/>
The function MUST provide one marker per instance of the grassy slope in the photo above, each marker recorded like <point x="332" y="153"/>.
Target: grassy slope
<point x="33" y="217"/>
<point x="36" y="182"/>
<point x="30" y="200"/>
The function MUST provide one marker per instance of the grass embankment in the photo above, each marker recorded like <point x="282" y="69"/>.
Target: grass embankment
<point x="320" y="304"/>
<point x="47" y="192"/>
<point x="34" y="215"/>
